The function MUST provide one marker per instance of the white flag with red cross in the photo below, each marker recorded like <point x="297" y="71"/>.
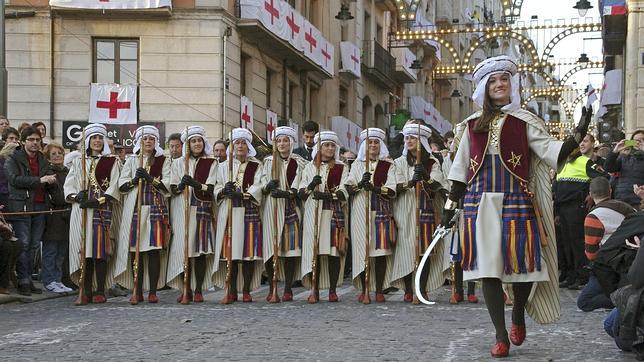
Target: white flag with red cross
<point x="312" y="42"/>
<point x="271" y="124"/>
<point x="350" y="56"/>
<point x="269" y="12"/>
<point x="294" y="27"/>
<point x="328" y="55"/>
<point x="112" y="103"/>
<point x="246" y="113"/>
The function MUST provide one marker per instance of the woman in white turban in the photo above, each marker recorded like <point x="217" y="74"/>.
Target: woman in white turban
<point x="500" y="171"/>
<point x="101" y="190"/>
<point x="430" y="178"/>
<point x="200" y="182"/>
<point x="281" y="210"/>
<point x="322" y="188"/>
<point x="154" y="174"/>
<point x="245" y="194"/>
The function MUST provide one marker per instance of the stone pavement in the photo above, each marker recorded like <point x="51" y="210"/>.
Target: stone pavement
<point x="55" y="329"/>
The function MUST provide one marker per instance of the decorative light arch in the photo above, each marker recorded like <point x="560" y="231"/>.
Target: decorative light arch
<point x="415" y="35"/>
<point x="502" y="32"/>
<point x="580" y="67"/>
<point x="577" y="28"/>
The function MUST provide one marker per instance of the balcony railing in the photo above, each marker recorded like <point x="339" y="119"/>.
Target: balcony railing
<point x="378" y="62"/>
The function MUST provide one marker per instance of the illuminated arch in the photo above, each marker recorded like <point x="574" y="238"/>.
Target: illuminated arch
<point x="502" y="32"/>
<point x="574" y="29"/>
<point x="580" y="67"/>
<point x="416" y="35"/>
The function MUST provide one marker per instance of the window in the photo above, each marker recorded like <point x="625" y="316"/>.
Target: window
<point x="344" y="96"/>
<point x="116" y="61"/>
<point x="269" y="83"/>
<point x="291" y="98"/>
<point x="243" y="69"/>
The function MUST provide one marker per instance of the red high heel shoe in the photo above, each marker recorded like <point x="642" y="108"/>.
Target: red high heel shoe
<point x="333" y="297"/>
<point x="181" y="297"/>
<point x="408" y="298"/>
<point x="380" y="298"/>
<point x="472" y="298"/>
<point x="287" y="297"/>
<point x="152" y="298"/>
<point x="198" y="297"/>
<point x="99" y="298"/>
<point x="500" y="350"/>
<point x="361" y="298"/>
<point x="456" y="298"/>
<point x="517" y="334"/>
<point x="247" y="298"/>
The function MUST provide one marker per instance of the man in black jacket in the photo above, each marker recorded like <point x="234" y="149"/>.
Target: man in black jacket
<point x="309" y="129"/>
<point x="28" y="173"/>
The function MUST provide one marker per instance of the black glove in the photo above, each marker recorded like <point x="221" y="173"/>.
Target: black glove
<point x="181" y="186"/>
<point x="280" y="194"/>
<point x="584" y="122"/>
<point x="81" y="196"/>
<point x="89" y="204"/>
<point x="420" y="174"/>
<point x="142" y="174"/>
<point x="366" y="178"/>
<point x="325" y="196"/>
<point x="352" y="189"/>
<point x="188" y="180"/>
<point x="446" y="220"/>
<point x="317" y="180"/>
<point x="271" y="185"/>
<point x="230" y="191"/>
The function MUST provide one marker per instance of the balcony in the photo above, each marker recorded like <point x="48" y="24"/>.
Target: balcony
<point x="404" y="59"/>
<point x="101" y="10"/>
<point x="378" y="64"/>
<point x="257" y="30"/>
<point x="444" y="13"/>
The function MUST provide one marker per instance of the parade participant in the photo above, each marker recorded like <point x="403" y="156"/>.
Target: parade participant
<point x="244" y="191"/>
<point x="145" y="175"/>
<point x="175" y="146"/>
<point x="324" y="239"/>
<point x="501" y="170"/>
<point x="372" y="182"/>
<point x="281" y="215"/>
<point x="99" y="175"/>
<point x="415" y="233"/>
<point x="192" y="179"/>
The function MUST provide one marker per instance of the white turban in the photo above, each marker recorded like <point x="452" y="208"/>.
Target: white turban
<point x="412" y="130"/>
<point x="326" y="137"/>
<point x="243" y="134"/>
<point x="374" y="134"/>
<point x="285" y="131"/>
<point x="148" y="131"/>
<point x="494" y="65"/>
<point x="195" y="131"/>
<point x="94" y="129"/>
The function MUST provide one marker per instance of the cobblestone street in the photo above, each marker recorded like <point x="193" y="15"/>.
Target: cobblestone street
<point x="57" y="330"/>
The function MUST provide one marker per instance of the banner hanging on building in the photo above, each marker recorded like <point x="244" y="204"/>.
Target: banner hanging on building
<point x="112" y="103"/>
<point x="246" y="113"/>
<point x="271" y="124"/>
<point x="348" y="133"/>
<point x="612" y="90"/>
<point x="350" y="56"/>
<point x="420" y="108"/>
<point x="111" y="4"/>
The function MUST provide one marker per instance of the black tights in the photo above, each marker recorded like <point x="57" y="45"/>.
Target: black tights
<point x="100" y="265"/>
<point x="423" y="280"/>
<point x="334" y="272"/>
<point x="289" y="273"/>
<point x="247" y="272"/>
<point x="154" y="267"/>
<point x="458" y="280"/>
<point x="381" y="269"/>
<point x="493" y="293"/>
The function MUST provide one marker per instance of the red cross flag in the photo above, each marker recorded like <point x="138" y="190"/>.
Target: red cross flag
<point x="271" y="124"/>
<point x="350" y="56"/>
<point x="246" y="113"/>
<point x="112" y="104"/>
<point x="347" y="131"/>
<point x="328" y="57"/>
<point x="294" y="27"/>
<point x="312" y="43"/>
